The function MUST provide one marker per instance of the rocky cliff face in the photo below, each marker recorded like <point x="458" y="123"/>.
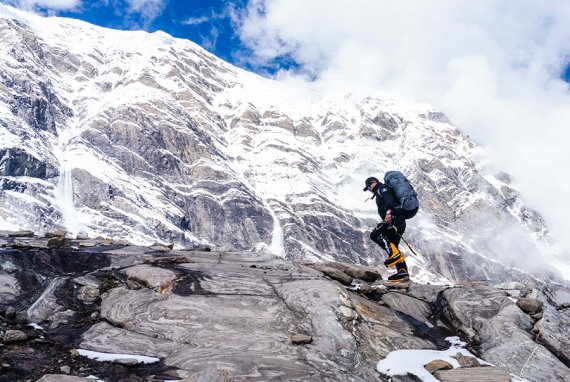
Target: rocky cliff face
<point x="237" y="316"/>
<point x="147" y="138"/>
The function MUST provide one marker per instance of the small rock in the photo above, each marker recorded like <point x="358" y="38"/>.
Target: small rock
<point x="74" y="353"/>
<point x="176" y="259"/>
<point x="437" y="364"/>
<point x="162" y="247"/>
<point x="363" y="288"/>
<point x="538" y="328"/>
<point x="347" y="313"/>
<point x="88" y="294"/>
<point x="530" y="305"/>
<point x="301" y="339"/>
<point x="337" y="275"/>
<point x="467" y="361"/>
<point x="20" y="244"/>
<point x="14" y="336"/>
<point x="65" y="369"/>
<point x="59" y="233"/>
<point x="22" y="233"/>
<point x="126" y="361"/>
<point x="362" y="273"/>
<point x="537" y="316"/>
<point x="10" y="313"/>
<point x="200" y="249"/>
<point x="59" y="242"/>
<point x="392" y="285"/>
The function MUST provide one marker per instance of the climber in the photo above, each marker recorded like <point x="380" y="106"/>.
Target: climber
<point x="395" y="205"/>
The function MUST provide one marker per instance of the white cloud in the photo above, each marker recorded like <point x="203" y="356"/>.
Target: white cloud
<point x="149" y="10"/>
<point x="31" y="5"/>
<point x="492" y="65"/>
<point x="196" y="20"/>
<point x="210" y="40"/>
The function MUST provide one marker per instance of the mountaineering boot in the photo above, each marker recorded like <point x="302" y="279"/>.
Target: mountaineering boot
<point x="401" y="276"/>
<point x="394" y="257"/>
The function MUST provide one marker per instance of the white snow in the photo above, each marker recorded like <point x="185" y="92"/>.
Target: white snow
<point x="8" y="226"/>
<point x="296" y="152"/>
<point x="402" y="362"/>
<point x="98" y="356"/>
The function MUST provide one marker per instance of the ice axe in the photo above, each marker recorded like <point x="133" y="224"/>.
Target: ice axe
<point x="409" y="246"/>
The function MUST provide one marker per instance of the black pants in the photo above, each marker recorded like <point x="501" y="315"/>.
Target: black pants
<point x="389" y="232"/>
<point x="385" y="233"/>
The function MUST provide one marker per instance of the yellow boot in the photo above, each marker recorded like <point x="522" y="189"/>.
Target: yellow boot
<point x="395" y="256"/>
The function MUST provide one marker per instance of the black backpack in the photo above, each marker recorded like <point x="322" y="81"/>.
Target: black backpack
<point x="404" y="191"/>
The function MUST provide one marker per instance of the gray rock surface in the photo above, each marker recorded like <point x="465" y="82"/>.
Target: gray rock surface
<point x="559" y="296"/>
<point x="479" y="374"/>
<point x="204" y="314"/>
<point x="501" y="331"/>
<point x="211" y="376"/>
<point x="553" y="331"/>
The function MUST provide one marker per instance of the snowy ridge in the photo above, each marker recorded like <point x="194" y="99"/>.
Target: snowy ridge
<point x="161" y="141"/>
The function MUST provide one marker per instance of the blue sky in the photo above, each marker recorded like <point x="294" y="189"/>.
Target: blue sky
<point x="206" y="22"/>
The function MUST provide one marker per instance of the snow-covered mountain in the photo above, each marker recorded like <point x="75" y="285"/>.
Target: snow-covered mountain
<point x="145" y="137"/>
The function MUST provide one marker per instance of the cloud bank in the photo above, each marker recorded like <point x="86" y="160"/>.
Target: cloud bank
<point x="146" y="11"/>
<point x="56" y="5"/>
<point x="493" y="66"/>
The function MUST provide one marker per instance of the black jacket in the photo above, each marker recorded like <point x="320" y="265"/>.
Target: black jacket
<point x="385" y="200"/>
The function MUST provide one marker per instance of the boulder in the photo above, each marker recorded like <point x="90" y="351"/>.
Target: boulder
<point x="60" y="233"/>
<point x="301" y="339"/>
<point x="467" y="361"/>
<point x="362" y="273"/>
<point x="59" y="242"/>
<point x="337" y="275"/>
<point x="437" y="364"/>
<point x="151" y="276"/>
<point x="529" y="305"/>
<point x="12" y="336"/>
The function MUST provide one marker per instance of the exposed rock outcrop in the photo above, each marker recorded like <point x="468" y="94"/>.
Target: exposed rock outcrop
<point x="250" y="316"/>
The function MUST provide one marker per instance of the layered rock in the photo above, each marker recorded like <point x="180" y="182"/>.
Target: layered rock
<point x="249" y="316"/>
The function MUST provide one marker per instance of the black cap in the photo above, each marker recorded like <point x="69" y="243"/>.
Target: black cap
<point x="369" y="181"/>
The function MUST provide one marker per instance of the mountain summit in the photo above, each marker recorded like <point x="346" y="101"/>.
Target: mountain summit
<point x="144" y="137"/>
